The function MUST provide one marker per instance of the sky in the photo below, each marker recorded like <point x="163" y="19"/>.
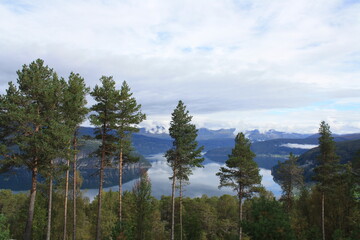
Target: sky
<point x="284" y="65"/>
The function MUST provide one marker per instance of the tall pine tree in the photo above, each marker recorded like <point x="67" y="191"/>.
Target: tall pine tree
<point x="185" y="153"/>
<point x="104" y="118"/>
<point x="61" y="132"/>
<point x="128" y="115"/>
<point x="240" y="173"/>
<point x="327" y="170"/>
<point x="75" y="110"/>
<point x="34" y="133"/>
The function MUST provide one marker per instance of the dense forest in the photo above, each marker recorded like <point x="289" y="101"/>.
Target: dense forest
<point x="40" y="117"/>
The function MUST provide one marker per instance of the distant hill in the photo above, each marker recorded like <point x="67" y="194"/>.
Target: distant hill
<point x="147" y="143"/>
<point x="207" y="134"/>
<point x="346" y="150"/>
<point x="217" y="143"/>
<point x="340" y="137"/>
<point x="268" y="153"/>
<point x="20" y="178"/>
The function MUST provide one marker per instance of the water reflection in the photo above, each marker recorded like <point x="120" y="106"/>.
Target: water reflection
<point x="203" y="180"/>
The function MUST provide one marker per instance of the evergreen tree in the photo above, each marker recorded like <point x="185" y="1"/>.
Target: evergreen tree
<point x="143" y="206"/>
<point x="34" y="133"/>
<point x="127" y="117"/>
<point x="290" y="176"/>
<point x="241" y="173"/>
<point x="61" y="132"/>
<point x="75" y="111"/>
<point x="104" y="119"/>
<point x="185" y="153"/>
<point x="327" y="170"/>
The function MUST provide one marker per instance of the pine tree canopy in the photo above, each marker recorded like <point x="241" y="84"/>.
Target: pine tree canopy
<point x="241" y="171"/>
<point x="185" y="153"/>
<point x="103" y="117"/>
<point x="32" y="114"/>
<point x="128" y="116"/>
<point x="328" y="168"/>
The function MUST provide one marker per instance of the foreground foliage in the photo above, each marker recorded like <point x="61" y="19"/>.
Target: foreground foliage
<point x="204" y="217"/>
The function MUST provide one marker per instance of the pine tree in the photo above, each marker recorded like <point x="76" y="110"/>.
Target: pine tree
<point x="127" y="117"/>
<point x="34" y="132"/>
<point x="241" y="173"/>
<point x="143" y="206"/>
<point x="60" y="131"/>
<point x="185" y="153"/>
<point x="104" y="119"/>
<point x="327" y="170"/>
<point x="75" y="111"/>
<point x="290" y="176"/>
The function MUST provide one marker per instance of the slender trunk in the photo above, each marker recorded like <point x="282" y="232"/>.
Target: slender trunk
<point x="66" y="198"/>
<point x="48" y="233"/>
<point x="74" y="187"/>
<point x="98" y="231"/>
<point x="323" y="215"/>
<point x="173" y="207"/>
<point x="120" y="184"/>
<point x="29" y="223"/>
<point x="181" y="221"/>
<point x="240" y="216"/>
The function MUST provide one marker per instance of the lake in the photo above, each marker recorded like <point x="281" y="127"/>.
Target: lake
<point x="203" y="180"/>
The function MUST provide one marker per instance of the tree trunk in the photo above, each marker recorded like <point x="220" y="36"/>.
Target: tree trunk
<point x="98" y="225"/>
<point x="181" y="221"/>
<point x="323" y="215"/>
<point x="29" y="223"/>
<point x="48" y="233"/>
<point x="120" y="184"/>
<point x="240" y="216"/>
<point x="66" y="198"/>
<point x="74" y="187"/>
<point x="173" y="207"/>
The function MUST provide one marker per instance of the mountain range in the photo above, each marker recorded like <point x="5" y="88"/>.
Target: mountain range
<point x="206" y="134"/>
<point x="269" y="146"/>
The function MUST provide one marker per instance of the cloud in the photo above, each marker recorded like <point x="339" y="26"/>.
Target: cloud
<point x="301" y="146"/>
<point x="226" y="59"/>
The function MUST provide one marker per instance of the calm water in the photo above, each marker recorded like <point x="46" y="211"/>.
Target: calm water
<point x="203" y="180"/>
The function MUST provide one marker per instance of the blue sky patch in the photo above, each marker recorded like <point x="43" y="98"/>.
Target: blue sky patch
<point x="205" y="48"/>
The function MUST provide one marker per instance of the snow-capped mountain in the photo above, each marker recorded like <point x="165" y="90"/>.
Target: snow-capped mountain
<point x="203" y="133"/>
<point x="255" y="135"/>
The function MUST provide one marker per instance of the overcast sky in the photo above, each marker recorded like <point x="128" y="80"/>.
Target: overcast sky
<point x="284" y="65"/>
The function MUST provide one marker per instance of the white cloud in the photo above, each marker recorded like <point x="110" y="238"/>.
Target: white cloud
<point x="232" y="62"/>
<point x="301" y="146"/>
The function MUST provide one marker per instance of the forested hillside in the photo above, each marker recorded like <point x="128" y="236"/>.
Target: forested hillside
<point x="347" y="151"/>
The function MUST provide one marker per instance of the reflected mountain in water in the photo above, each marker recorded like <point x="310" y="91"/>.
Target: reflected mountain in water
<point x="203" y="180"/>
